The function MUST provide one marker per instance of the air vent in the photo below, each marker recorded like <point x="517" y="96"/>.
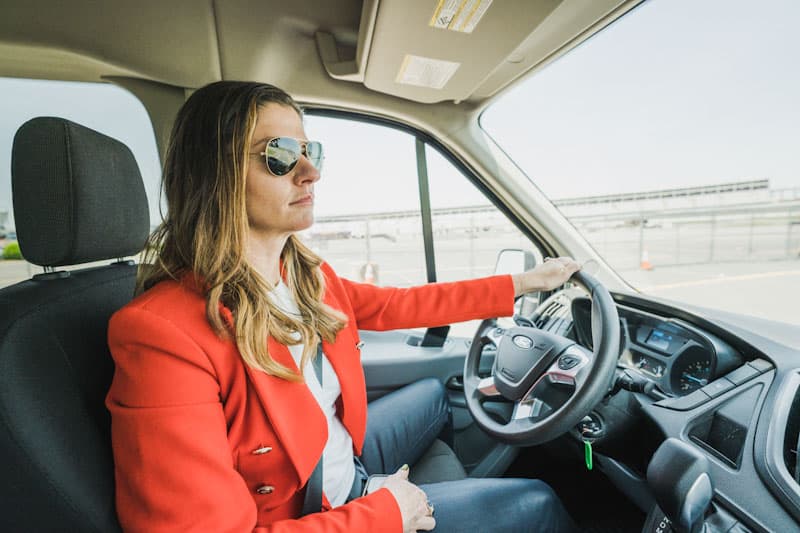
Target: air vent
<point x="790" y="442"/>
<point x="555" y="317"/>
<point x="547" y="313"/>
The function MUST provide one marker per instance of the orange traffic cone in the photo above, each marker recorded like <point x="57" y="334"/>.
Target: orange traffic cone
<point x="645" y="264"/>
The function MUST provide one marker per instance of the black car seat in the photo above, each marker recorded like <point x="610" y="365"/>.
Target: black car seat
<point x="78" y="198"/>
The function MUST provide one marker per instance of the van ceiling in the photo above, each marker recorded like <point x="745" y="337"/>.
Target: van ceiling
<point x="293" y="44"/>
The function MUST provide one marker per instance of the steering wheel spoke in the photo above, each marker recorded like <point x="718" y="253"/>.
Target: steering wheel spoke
<point x="487" y="388"/>
<point x="571" y="367"/>
<point x="529" y="408"/>
<point x="566" y="372"/>
<point x="494" y="335"/>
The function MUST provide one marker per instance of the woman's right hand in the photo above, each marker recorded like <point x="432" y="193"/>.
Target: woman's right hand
<point x="413" y="502"/>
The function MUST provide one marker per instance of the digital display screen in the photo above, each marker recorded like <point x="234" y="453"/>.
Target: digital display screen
<point x="661" y="340"/>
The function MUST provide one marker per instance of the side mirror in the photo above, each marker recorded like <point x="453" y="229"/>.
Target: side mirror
<point x="514" y="261"/>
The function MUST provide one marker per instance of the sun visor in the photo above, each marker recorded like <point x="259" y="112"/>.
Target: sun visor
<point x="440" y="50"/>
<point x="452" y="50"/>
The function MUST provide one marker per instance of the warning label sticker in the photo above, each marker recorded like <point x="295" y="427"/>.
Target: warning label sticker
<point x="459" y="15"/>
<point x="426" y="71"/>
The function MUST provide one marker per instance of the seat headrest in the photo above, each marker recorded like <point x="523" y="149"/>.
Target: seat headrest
<point x="78" y="194"/>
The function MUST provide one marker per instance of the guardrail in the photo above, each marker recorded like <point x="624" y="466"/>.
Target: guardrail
<point x="760" y="231"/>
<point x="634" y="238"/>
<point x="630" y="232"/>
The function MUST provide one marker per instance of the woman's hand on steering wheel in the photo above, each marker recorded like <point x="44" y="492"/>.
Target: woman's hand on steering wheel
<point x="415" y="509"/>
<point x="553" y="273"/>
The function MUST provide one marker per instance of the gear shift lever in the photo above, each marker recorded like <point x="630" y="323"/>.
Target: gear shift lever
<point x="678" y="476"/>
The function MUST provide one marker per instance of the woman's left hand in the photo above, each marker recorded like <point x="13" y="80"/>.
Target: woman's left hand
<point x="553" y="273"/>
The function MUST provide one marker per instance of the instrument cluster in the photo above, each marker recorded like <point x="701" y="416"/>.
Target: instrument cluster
<point x="677" y="356"/>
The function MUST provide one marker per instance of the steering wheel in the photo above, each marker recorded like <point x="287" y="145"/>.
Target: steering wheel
<point x="552" y="380"/>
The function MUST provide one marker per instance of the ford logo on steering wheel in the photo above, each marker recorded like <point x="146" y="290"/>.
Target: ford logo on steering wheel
<point x="522" y="341"/>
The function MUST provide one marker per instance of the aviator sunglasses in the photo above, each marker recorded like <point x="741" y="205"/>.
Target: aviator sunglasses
<point x="282" y="154"/>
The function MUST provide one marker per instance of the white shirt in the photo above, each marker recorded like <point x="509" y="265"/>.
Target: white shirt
<point x="338" y="469"/>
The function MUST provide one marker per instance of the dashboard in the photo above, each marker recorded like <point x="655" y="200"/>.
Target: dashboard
<point x="678" y="357"/>
<point x="726" y="386"/>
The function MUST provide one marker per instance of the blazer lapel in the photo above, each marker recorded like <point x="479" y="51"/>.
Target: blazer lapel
<point x="293" y="413"/>
<point x="345" y="359"/>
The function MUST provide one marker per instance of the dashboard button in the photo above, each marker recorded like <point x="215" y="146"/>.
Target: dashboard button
<point x="685" y="403"/>
<point x="717" y="387"/>
<point x="742" y="374"/>
<point x="567" y="361"/>
<point x="762" y="365"/>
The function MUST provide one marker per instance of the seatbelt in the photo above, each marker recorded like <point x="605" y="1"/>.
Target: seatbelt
<point x="313" y="499"/>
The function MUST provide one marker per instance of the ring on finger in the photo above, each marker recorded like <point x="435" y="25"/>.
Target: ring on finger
<point x="429" y="505"/>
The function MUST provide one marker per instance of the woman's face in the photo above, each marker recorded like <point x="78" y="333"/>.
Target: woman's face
<point x="278" y="205"/>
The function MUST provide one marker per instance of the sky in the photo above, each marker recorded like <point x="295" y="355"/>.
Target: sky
<point x="676" y="93"/>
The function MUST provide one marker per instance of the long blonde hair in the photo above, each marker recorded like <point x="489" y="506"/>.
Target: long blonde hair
<point x="205" y="230"/>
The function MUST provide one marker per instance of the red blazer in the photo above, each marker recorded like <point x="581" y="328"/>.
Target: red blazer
<point x="196" y="432"/>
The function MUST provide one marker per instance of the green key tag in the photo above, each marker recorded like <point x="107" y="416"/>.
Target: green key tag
<point x="587" y="454"/>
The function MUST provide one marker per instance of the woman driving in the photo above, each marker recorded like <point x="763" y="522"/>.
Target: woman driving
<point x="238" y="401"/>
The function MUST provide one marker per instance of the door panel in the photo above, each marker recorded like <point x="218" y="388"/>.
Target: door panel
<point x="390" y="362"/>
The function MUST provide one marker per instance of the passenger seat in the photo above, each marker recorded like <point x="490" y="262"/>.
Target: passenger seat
<point x="78" y="198"/>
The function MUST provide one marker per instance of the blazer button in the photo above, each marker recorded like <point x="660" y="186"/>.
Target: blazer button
<point x="262" y="450"/>
<point x="265" y="489"/>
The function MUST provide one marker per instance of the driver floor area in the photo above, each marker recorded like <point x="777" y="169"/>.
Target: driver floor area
<point x="589" y="497"/>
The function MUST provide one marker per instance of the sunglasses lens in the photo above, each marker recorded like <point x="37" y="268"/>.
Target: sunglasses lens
<point x="282" y="155"/>
<point x="314" y="153"/>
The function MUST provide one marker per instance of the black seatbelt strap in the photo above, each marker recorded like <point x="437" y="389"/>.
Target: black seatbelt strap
<point x="313" y="499"/>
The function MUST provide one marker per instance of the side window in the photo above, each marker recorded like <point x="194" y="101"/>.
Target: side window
<point x="369" y="215"/>
<point x="468" y="230"/>
<point x="100" y="106"/>
<point x="368" y="220"/>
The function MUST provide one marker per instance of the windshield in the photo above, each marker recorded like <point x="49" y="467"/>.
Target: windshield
<point x="671" y="141"/>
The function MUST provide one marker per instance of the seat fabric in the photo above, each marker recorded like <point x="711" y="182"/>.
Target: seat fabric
<point x="438" y="463"/>
<point x="55" y="369"/>
<point x="78" y="197"/>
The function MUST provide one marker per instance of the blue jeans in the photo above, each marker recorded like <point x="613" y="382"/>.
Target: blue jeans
<point x="400" y="428"/>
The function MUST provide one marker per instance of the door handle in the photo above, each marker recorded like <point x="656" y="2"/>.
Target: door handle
<point x="455" y="383"/>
